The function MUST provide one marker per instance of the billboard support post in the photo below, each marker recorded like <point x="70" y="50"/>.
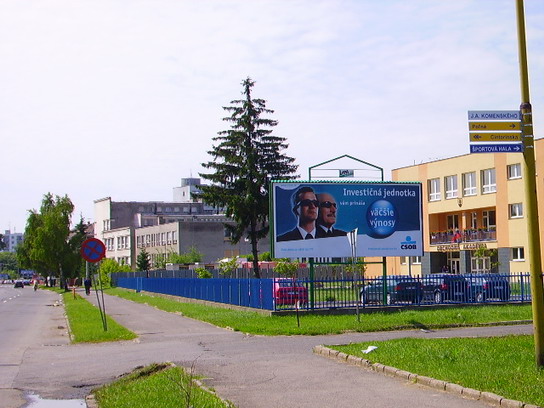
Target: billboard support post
<point x="352" y="235"/>
<point x="312" y="294"/>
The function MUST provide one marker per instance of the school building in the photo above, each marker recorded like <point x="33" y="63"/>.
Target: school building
<point x="474" y="218"/>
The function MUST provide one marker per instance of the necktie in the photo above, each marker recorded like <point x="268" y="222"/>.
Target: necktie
<point x="329" y="232"/>
<point x="309" y="236"/>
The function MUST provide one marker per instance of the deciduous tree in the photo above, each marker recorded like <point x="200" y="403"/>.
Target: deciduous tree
<point x="244" y="160"/>
<point x="49" y="247"/>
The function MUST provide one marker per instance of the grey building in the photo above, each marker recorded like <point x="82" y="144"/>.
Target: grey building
<point x="162" y="227"/>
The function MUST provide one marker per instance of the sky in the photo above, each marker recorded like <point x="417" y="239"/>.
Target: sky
<point x="121" y="99"/>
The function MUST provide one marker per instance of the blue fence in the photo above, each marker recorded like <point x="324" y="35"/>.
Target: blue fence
<point x="288" y="294"/>
<point x="255" y="293"/>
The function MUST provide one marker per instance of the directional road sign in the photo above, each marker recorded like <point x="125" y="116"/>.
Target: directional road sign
<point x="495" y="131"/>
<point x="494" y="115"/>
<point x="495" y="137"/>
<point x="497" y="148"/>
<point x="484" y="126"/>
<point x="93" y="250"/>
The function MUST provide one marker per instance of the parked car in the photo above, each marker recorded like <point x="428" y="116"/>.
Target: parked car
<point x="19" y="284"/>
<point x="442" y="287"/>
<point x="488" y="286"/>
<point x="400" y="288"/>
<point x="290" y="291"/>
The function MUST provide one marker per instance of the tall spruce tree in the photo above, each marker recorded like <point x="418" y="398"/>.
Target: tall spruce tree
<point x="245" y="159"/>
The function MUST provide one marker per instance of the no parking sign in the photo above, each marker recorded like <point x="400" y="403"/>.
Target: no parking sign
<point x="93" y="250"/>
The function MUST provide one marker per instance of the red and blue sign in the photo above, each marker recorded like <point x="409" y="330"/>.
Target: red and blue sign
<point x="93" y="250"/>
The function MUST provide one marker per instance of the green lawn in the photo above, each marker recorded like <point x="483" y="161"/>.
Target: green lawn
<point x="86" y="322"/>
<point x="501" y="365"/>
<point x="256" y="323"/>
<point x="504" y="366"/>
<point x="158" y="386"/>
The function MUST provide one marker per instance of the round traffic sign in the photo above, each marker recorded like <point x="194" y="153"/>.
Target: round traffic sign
<point x="93" y="250"/>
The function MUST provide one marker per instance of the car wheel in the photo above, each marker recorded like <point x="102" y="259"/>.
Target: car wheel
<point x="438" y="297"/>
<point x="480" y="297"/>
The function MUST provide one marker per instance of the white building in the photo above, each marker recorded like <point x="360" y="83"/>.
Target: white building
<point x="12" y="240"/>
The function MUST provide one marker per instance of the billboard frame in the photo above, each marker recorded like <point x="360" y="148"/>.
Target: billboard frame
<point x="391" y="229"/>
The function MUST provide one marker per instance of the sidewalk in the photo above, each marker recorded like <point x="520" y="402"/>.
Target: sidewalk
<point x="251" y="371"/>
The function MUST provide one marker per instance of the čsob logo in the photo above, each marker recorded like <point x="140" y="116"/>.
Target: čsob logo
<point x="408" y="244"/>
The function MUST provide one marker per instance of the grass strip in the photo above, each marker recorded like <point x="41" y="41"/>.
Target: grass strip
<point x="158" y="386"/>
<point x="86" y="322"/>
<point x="501" y="365"/>
<point x="256" y="323"/>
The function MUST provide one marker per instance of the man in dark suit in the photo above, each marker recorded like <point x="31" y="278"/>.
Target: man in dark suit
<point x="305" y="207"/>
<point x="327" y="217"/>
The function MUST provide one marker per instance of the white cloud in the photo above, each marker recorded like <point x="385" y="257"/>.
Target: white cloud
<point x="122" y="98"/>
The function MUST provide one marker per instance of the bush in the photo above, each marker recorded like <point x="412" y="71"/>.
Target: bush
<point x="203" y="273"/>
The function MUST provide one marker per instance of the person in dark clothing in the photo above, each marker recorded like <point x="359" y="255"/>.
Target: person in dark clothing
<point x="327" y="217"/>
<point x="305" y="206"/>
<point x="87" y="284"/>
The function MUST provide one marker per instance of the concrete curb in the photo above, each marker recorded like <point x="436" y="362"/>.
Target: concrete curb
<point x="91" y="401"/>
<point x="486" y="397"/>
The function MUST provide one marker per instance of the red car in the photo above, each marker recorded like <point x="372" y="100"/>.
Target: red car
<point x="289" y="291"/>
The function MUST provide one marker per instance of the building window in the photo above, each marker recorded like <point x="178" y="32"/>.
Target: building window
<point x="514" y="171"/>
<point x="469" y="184"/>
<point x="403" y="260"/>
<point x="474" y="220"/>
<point x="489" y="219"/>
<point x="518" y="254"/>
<point x="480" y="264"/>
<point x="453" y="221"/>
<point x="450" y="185"/>
<point x="416" y="260"/>
<point x="515" y="210"/>
<point x="489" y="183"/>
<point x="434" y="189"/>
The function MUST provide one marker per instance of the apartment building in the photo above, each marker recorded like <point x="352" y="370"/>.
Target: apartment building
<point x="12" y="240"/>
<point x="473" y="213"/>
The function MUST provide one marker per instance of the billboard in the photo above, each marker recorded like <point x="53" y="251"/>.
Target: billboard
<point x="314" y="219"/>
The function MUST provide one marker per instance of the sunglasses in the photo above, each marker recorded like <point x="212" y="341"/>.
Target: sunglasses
<point x="327" y="204"/>
<point x="307" y="202"/>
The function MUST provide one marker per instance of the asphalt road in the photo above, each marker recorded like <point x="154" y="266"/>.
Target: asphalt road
<point x="28" y="320"/>
<point x="251" y="371"/>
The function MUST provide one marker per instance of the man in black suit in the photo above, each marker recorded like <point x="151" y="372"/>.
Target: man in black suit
<point x="327" y="217"/>
<point x="305" y="207"/>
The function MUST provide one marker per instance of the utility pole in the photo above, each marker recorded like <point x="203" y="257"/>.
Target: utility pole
<point x="530" y="192"/>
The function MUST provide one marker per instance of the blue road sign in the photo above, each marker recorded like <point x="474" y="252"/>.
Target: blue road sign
<point x="496" y="148"/>
<point x="494" y="115"/>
